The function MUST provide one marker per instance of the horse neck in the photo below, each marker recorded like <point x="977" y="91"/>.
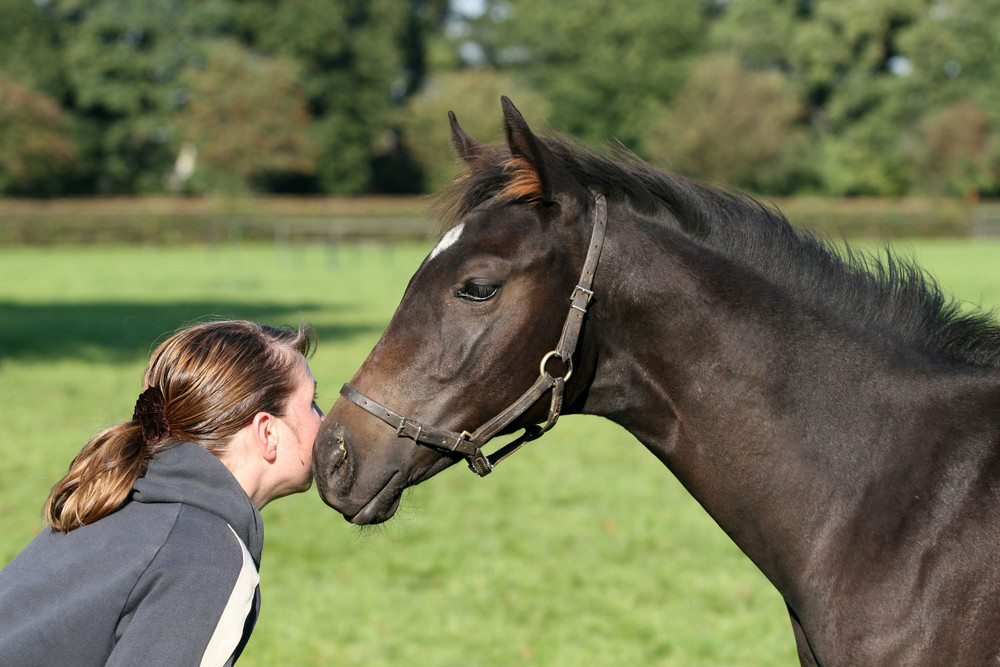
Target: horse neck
<point x="775" y="419"/>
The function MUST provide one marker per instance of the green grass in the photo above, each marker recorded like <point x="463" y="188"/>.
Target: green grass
<point x="582" y="549"/>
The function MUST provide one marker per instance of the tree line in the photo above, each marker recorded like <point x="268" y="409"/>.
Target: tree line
<point x="828" y="97"/>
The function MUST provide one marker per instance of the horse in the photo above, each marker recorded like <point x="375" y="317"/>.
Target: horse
<point x="834" y="411"/>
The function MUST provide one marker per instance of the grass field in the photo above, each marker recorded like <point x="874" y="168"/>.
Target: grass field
<point x="581" y="550"/>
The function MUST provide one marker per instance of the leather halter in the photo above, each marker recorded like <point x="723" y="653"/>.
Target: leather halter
<point x="470" y="445"/>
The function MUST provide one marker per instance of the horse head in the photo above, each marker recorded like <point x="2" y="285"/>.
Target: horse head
<point x="477" y="345"/>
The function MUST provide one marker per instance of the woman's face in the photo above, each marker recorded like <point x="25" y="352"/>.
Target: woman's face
<point x="299" y="426"/>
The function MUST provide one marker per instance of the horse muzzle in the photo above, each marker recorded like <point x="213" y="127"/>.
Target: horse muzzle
<point x="334" y="468"/>
<point x="361" y="472"/>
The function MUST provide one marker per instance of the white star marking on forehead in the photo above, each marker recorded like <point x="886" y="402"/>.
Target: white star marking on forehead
<point x="448" y="240"/>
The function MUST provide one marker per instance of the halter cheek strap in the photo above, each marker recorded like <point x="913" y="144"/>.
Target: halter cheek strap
<point x="470" y="445"/>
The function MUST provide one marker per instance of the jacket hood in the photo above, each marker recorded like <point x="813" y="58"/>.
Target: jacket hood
<point x="186" y="473"/>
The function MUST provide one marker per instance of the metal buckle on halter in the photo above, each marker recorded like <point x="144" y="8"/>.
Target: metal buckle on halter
<point x="579" y="289"/>
<point x="402" y="427"/>
<point x="480" y="464"/>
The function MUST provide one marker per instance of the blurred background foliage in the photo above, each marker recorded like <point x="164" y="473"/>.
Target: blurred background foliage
<point x="347" y="97"/>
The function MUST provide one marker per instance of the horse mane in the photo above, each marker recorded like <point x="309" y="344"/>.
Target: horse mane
<point x="889" y="293"/>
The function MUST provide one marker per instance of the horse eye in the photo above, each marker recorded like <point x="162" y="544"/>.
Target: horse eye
<point x="477" y="291"/>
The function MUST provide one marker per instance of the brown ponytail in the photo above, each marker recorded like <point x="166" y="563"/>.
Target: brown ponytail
<point x="99" y="478"/>
<point x="202" y="385"/>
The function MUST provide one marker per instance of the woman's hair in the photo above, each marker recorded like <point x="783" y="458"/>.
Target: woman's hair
<point x="213" y="377"/>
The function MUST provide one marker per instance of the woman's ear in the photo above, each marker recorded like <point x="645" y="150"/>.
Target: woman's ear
<point x="264" y="430"/>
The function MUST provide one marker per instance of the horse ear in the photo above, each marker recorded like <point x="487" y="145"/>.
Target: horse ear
<point x="468" y="148"/>
<point x="549" y="180"/>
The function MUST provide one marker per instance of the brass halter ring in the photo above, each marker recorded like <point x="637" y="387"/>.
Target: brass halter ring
<point x="555" y="353"/>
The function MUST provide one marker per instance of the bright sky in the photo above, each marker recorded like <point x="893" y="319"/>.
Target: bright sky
<point x="469" y="7"/>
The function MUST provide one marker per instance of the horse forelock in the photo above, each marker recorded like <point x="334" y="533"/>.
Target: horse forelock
<point x="493" y="174"/>
<point x="524" y="182"/>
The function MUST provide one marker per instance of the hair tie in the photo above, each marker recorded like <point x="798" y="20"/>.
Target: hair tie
<point x="150" y="412"/>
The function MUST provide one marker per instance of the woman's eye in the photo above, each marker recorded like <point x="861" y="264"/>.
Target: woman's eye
<point x="477" y="291"/>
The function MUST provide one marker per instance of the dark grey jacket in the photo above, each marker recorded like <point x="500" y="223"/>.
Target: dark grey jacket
<point x="161" y="581"/>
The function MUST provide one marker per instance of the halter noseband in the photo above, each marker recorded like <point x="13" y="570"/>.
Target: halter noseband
<point x="470" y="445"/>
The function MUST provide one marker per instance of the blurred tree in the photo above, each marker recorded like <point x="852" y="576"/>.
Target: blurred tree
<point x="732" y="126"/>
<point x="885" y="85"/>
<point x="29" y="48"/>
<point x="839" y="57"/>
<point x="124" y="62"/>
<point x="119" y="67"/>
<point x="953" y="69"/>
<point x="474" y="96"/>
<point x="245" y="122"/>
<point x="866" y="157"/>
<point x="872" y="73"/>
<point x="361" y="59"/>
<point x="953" y="52"/>
<point x="36" y="156"/>
<point x="956" y="153"/>
<point x="605" y="66"/>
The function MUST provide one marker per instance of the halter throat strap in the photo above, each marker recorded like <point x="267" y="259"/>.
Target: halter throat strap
<point x="470" y="445"/>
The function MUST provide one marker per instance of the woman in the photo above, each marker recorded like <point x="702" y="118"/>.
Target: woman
<point x="155" y="537"/>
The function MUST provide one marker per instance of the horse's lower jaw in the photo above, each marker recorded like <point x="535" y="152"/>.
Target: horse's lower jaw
<point x="382" y="506"/>
<point x="371" y="514"/>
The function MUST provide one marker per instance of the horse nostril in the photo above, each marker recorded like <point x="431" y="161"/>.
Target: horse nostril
<point x="340" y="454"/>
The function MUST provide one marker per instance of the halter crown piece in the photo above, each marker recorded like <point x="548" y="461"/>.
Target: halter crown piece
<point x="469" y="444"/>
<point x="150" y="412"/>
